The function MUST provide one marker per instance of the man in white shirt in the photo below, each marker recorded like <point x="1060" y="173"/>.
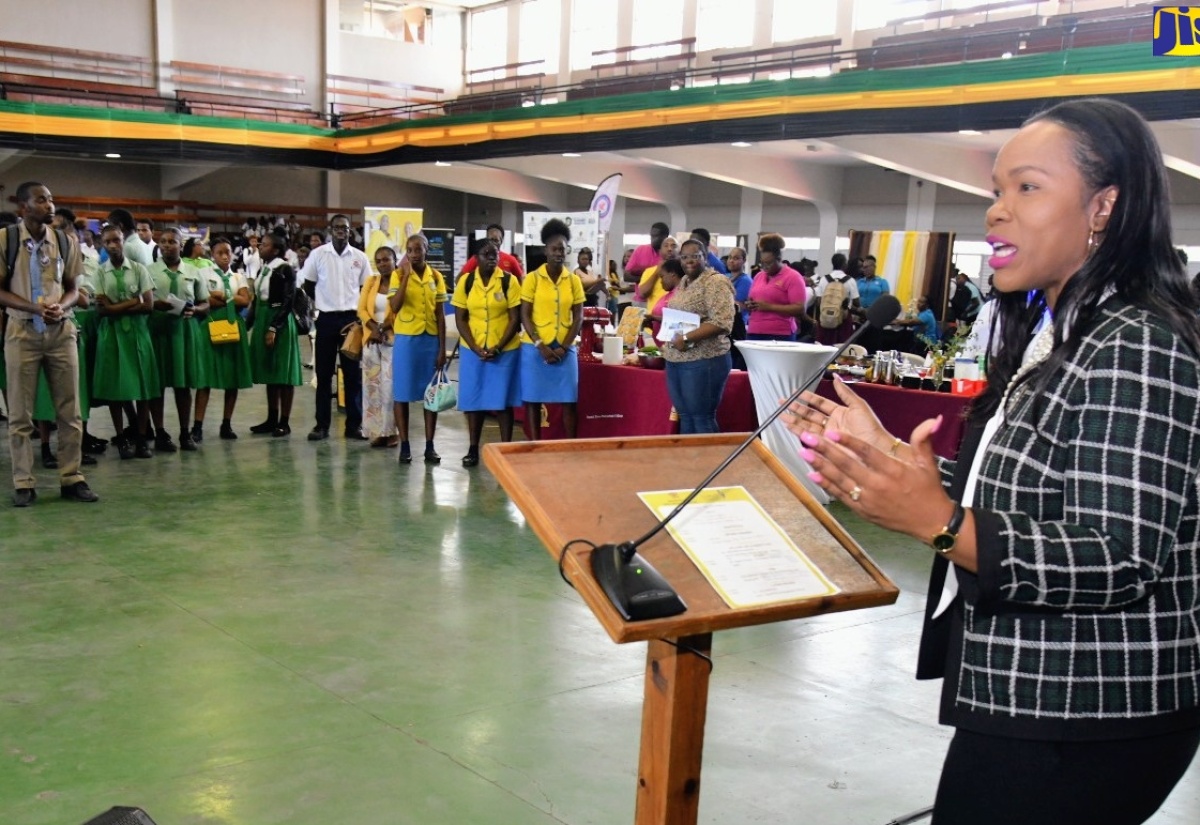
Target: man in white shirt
<point x="145" y="231"/>
<point x="333" y="275"/>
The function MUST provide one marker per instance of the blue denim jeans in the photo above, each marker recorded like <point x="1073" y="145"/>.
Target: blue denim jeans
<point x="695" y="388"/>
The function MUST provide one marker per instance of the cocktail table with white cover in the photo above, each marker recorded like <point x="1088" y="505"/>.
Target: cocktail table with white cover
<point x="776" y="369"/>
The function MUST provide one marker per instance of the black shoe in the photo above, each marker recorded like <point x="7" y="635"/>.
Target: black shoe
<point x="48" y="459"/>
<point x="164" y="444"/>
<point x="88" y="460"/>
<point x="198" y="433"/>
<point x="124" y="447"/>
<point x="265" y="428"/>
<point x="355" y="434"/>
<point x="405" y="457"/>
<point x="79" y="491"/>
<point x="142" y="450"/>
<point x="227" y="433"/>
<point x="24" y="496"/>
<point x="432" y="458"/>
<point x="318" y="434"/>
<point x="91" y="444"/>
<point x="470" y="459"/>
<point x="187" y="443"/>
<point x="283" y="431"/>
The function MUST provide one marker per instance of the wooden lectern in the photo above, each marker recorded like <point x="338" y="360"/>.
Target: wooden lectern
<point x="676" y="681"/>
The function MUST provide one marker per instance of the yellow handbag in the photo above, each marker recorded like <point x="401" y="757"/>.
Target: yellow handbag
<point x="221" y="331"/>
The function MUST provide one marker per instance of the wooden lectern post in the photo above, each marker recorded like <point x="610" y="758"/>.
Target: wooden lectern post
<point x="674" y="709"/>
<point x="675" y="699"/>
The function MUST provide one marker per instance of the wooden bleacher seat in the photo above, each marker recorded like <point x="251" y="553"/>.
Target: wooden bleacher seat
<point x="379" y="94"/>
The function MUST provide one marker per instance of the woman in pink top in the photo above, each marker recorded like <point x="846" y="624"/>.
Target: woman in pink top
<point x="776" y="296"/>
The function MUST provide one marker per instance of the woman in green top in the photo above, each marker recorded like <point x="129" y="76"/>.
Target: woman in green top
<point x="125" y="366"/>
<point x="274" y="345"/>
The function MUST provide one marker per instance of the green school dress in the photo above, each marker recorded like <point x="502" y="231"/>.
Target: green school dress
<point x="125" y="365"/>
<point x="279" y="364"/>
<point x="181" y="346"/>
<point x="230" y="362"/>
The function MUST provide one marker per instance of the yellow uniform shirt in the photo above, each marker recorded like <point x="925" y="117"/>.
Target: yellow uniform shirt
<point x="423" y="298"/>
<point x="655" y="294"/>
<point x="552" y="304"/>
<point x="487" y="306"/>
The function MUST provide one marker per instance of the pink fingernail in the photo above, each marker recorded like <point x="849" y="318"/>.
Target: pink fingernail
<point x="833" y="435"/>
<point x="816" y="477"/>
<point x="809" y="439"/>
<point x="937" y="425"/>
<point x="808" y="455"/>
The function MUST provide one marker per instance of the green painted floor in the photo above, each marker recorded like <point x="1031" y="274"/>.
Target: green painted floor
<point x="271" y="631"/>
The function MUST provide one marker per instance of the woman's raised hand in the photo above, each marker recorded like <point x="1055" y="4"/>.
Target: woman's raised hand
<point x="815" y="414"/>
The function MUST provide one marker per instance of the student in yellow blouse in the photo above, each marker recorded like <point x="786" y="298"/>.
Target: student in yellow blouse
<point x="415" y="296"/>
<point x="551" y="314"/>
<point x="650" y="288"/>
<point x="487" y="305"/>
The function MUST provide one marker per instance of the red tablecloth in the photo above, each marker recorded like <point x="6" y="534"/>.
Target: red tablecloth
<point x="901" y="410"/>
<point x="625" y="401"/>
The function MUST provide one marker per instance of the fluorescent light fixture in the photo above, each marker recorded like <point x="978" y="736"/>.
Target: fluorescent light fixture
<point x="741" y="144"/>
<point x="571" y="155"/>
<point x="971" y="132"/>
<point x="113" y="155"/>
<point x="441" y="163"/>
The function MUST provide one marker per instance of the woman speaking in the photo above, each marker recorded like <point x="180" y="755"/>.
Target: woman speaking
<point x="1063" y="604"/>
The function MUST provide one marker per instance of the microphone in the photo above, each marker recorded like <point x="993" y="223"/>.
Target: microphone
<point x="634" y="587"/>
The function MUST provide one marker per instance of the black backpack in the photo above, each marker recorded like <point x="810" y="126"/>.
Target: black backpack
<point x="302" y="310"/>
<point x="12" y="240"/>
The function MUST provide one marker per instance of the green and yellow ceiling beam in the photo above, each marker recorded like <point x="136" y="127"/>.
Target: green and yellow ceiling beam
<point x="981" y="95"/>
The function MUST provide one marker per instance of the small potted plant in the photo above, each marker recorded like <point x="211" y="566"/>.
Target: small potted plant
<point x="943" y="352"/>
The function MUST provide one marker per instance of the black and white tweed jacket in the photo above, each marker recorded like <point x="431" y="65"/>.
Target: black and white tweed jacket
<point x="1083" y="621"/>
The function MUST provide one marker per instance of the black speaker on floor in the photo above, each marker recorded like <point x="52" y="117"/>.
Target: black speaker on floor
<point x="122" y="816"/>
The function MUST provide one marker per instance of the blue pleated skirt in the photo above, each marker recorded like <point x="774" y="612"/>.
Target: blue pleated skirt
<point x="548" y="383"/>
<point x="413" y="360"/>
<point x="488" y="385"/>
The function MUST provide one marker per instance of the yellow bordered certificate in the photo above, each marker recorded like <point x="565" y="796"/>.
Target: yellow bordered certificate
<point x="745" y="555"/>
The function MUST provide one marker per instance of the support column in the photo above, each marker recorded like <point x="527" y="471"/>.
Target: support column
<point x="333" y="188"/>
<point x="922" y="199"/>
<point x="828" y="232"/>
<point x="624" y="22"/>
<point x="164" y="45"/>
<point x="764" y="18"/>
<point x="750" y="218"/>
<point x="566" y="18"/>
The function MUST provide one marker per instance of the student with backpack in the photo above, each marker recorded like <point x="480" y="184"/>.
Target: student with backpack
<point x="837" y="295"/>
<point x="777" y="295"/>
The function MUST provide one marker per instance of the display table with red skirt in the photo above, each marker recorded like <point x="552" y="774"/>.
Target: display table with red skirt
<point x="616" y="401"/>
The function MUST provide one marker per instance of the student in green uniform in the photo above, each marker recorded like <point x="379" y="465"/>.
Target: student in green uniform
<point x="274" y="345"/>
<point x="184" y="357"/>
<point x="125" y="366"/>
<point x="228" y="294"/>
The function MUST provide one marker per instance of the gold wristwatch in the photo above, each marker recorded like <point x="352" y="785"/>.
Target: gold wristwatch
<point x="943" y="542"/>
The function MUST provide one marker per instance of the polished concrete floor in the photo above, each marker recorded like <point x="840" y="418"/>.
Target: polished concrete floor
<point x="273" y="631"/>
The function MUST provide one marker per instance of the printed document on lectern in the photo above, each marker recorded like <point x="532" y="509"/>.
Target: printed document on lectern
<point x="745" y="555"/>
